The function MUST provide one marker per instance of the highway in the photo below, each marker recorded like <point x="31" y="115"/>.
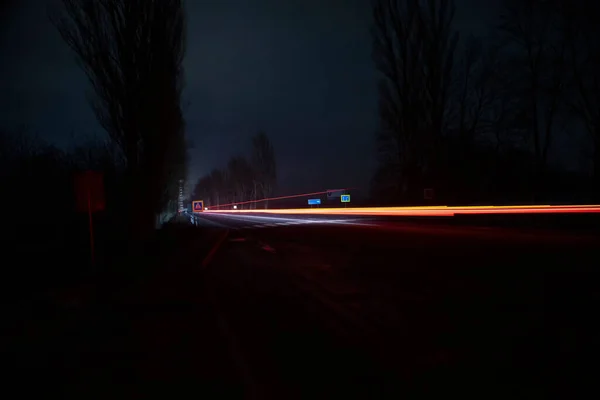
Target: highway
<point x="332" y="306"/>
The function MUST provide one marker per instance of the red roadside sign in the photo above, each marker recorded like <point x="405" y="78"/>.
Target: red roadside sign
<point x="89" y="191"/>
<point x="89" y="197"/>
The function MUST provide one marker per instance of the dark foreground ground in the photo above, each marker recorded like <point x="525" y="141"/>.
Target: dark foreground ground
<point x="249" y="307"/>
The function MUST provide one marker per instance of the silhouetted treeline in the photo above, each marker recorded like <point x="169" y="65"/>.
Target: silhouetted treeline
<point x="242" y="179"/>
<point x="46" y="240"/>
<point x="132" y="53"/>
<point x="486" y="119"/>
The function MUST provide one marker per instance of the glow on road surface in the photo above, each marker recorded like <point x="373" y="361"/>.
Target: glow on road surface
<point x="429" y="211"/>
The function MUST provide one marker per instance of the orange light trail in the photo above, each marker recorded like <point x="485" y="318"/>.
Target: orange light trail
<point x="430" y="211"/>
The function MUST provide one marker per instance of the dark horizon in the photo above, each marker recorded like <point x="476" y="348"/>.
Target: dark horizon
<point x="300" y="71"/>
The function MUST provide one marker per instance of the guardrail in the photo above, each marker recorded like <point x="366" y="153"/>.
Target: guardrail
<point x="192" y="217"/>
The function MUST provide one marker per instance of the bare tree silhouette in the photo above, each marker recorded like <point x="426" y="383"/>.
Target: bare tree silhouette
<point x="243" y="178"/>
<point x="204" y="190"/>
<point x="580" y="31"/>
<point x="475" y="91"/>
<point x="218" y="184"/>
<point x="474" y="95"/>
<point x="240" y="177"/>
<point x="264" y="166"/>
<point x="538" y="58"/>
<point x="132" y="53"/>
<point x="413" y="49"/>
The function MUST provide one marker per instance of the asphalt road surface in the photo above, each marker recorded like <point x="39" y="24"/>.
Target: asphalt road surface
<point x="377" y="308"/>
<point x="286" y="307"/>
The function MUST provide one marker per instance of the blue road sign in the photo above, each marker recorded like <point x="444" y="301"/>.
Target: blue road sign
<point x="197" y="206"/>
<point x="345" y="198"/>
<point x="312" y="202"/>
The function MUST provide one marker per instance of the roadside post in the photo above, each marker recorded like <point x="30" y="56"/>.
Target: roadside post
<point x="345" y="198"/>
<point x="89" y="197"/>
<point x="314" y="202"/>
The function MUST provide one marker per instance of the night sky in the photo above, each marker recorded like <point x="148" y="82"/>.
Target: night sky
<point x="300" y="70"/>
